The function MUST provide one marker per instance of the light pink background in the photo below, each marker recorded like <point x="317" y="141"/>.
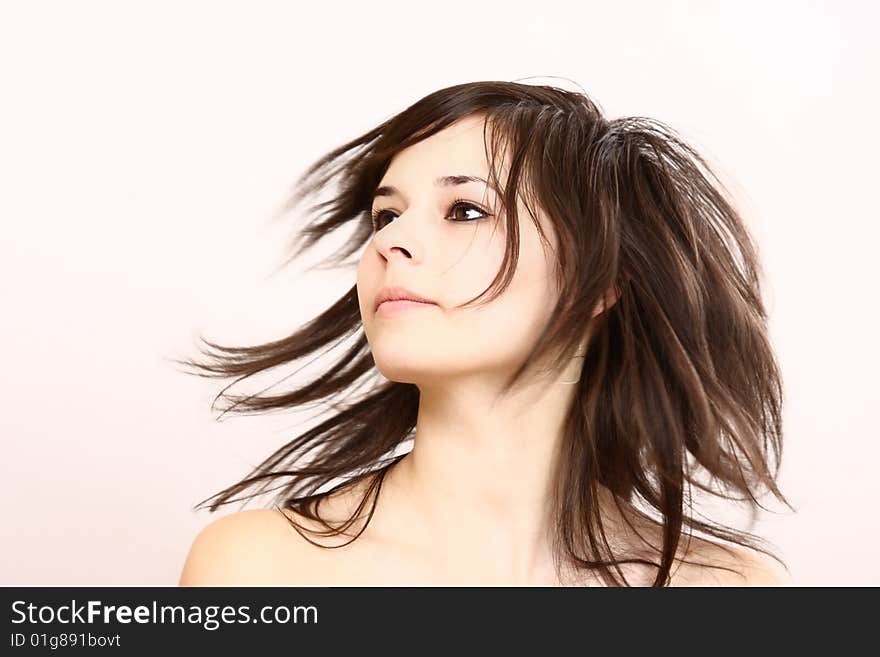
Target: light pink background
<point x="144" y="147"/>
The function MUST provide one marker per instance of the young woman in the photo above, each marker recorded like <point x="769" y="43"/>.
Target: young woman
<point x="563" y="313"/>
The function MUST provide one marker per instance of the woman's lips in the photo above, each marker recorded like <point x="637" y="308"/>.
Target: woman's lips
<point x="397" y="306"/>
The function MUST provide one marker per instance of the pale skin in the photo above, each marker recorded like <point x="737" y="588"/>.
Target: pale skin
<point x="470" y="504"/>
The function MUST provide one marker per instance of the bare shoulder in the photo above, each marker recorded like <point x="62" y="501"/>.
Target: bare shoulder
<point x="247" y="548"/>
<point x="712" y="564"/>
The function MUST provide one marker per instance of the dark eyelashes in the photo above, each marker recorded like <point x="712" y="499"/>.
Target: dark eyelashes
<point x="457" y="203"/>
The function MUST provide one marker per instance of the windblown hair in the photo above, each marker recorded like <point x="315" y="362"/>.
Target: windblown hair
<point x="679" y="378"/>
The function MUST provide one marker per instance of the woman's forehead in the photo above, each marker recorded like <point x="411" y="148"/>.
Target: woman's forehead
<point x="456" y="148"/>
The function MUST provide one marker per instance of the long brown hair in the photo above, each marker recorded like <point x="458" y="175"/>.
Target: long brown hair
<point x="679" y="379"/>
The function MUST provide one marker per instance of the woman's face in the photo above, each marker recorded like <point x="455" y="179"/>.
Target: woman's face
<point x="450" y="253"/>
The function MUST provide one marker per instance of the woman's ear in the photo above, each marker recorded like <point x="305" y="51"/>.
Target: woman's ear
<point x="611" y="297"/>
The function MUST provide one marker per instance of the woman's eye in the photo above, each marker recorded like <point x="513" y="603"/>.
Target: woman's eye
<point x="466" y="207"/>
<point x="377" y="217"/>
<point x="455" y="209"/>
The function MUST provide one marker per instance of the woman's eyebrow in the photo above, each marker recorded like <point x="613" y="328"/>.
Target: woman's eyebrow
<point x="442" y="181"/>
